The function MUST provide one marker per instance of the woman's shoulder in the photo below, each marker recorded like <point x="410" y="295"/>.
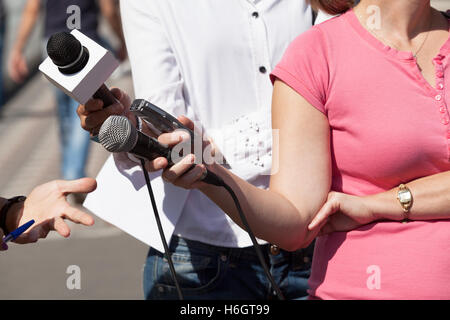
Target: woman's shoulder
<point x="320" y="38"/>
<point x="326" y="31"/>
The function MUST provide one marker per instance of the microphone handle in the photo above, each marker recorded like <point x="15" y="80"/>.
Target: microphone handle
<point x="108" y="99"/>
<point x="150" y="149"/>
<point x="105" y="95"/>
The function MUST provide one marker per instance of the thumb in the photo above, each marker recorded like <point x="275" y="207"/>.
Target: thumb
<point x="117" y="93"/>
<point x="329" y="208"/>
<point x="122" y="97"/>
<point x="186" y="122"/>
<point x="83" y="185"/>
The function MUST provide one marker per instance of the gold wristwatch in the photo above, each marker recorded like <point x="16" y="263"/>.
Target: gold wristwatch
<point x="405" y="198"/>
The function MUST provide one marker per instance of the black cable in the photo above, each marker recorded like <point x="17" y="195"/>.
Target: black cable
<point x="217" y="181"/>
<point x="161" y="232"/>
<point x="255" y="243"/>
<point x="212" y="178"/>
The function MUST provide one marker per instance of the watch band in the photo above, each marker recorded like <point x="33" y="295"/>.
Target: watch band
<point x="5" y="209"/>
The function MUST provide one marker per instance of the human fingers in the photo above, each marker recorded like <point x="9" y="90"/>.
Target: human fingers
<point x="174" y="138"/>
<point x="59" y="226"/>
<point x="156" y="164"/>
<point x="188" y="123"/>
<point x="91" y="106"/>
<point x="95" y="119"/>
<point x="122" y="96"/>
<point x="83" y="185"/>
<point x="177" y="170"/>
<point x="330" y="207"/>
<point x="189" y="179"/>
<point x="38" y="232"/>
<point x="77" y="216"/>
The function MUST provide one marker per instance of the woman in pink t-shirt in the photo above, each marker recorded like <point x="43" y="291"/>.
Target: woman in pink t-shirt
<point x="360" y="105"/>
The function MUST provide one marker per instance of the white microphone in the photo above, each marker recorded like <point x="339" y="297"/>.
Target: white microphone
<point x="79" y="66"/>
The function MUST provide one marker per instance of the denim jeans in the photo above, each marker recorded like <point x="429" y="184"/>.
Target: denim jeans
<point x="207" y="272"/>
<point x="74" y="139"/>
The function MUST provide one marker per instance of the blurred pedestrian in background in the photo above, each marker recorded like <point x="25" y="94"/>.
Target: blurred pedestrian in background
<point x="2" y="36"/>
<point x="64" y="15"/>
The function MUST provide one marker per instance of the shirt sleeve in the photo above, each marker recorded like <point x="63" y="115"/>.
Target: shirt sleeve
<point x="156" y="74"/>
<point x="304" y="67"/>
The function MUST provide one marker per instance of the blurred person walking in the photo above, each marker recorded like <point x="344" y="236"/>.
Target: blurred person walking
<point x="2" y="38"/>
<point x="64" y="15"/>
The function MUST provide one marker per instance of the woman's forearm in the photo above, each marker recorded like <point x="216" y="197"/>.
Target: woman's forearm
<point x="431" y="200"/>
<point x="270" y="215"/>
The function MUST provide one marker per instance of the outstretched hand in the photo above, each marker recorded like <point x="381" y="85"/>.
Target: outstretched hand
<point x="48" y="206"/>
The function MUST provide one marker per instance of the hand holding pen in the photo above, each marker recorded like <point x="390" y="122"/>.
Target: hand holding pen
<point x="47" y="206"/>
<point x="13" y="235"/>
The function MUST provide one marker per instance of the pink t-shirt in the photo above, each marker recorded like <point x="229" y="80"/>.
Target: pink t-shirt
<point x="388" y="126"/>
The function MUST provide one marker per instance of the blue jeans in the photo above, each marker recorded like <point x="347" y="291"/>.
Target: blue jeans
<point x="74" y="139"/>
<point x="209" y="272"/>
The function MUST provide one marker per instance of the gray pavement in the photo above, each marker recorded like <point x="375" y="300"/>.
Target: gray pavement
<point x="110" y="268"/>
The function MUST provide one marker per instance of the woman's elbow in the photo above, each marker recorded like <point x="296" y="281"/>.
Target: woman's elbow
<point x="298" y="241"/>
<point x="295" y="244"/>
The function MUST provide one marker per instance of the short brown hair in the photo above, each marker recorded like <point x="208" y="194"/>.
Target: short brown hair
<point x="333" y="6"/>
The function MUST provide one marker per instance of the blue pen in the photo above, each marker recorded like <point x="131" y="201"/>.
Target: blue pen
<point x="16" y="233"/>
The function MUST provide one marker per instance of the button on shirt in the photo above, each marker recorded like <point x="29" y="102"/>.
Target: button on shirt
<point x="209" y="60"/>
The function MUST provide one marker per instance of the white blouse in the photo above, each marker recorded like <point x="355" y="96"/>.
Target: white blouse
<point x="209" y="60"/>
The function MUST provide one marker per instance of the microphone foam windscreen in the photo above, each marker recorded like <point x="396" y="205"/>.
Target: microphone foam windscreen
<point x="117" y="134"/>
<point x="63" y="48"/>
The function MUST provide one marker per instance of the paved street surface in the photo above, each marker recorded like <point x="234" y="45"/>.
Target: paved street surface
<point x="110" y="261"/>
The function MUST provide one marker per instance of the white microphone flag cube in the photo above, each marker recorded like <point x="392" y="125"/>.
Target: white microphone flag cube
<point x="82" y="85"/>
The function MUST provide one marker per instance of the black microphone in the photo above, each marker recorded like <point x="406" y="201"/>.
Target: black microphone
<point x="117" y="134"/>
<point x="70" y="56"/>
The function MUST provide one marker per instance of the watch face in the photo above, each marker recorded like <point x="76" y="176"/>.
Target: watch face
<point x="404" y="196"/>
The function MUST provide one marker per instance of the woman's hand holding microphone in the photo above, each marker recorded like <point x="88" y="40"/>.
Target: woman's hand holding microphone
<point x="341" y="212"/>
